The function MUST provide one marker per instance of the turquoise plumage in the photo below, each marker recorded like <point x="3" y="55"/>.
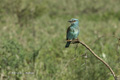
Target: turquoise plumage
<point x="72" y="31"/>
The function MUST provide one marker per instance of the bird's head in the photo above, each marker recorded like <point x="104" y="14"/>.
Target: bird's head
<point x="74" y="21"/>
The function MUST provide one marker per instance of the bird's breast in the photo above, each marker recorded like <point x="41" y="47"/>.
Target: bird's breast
<point x="74" y="31"/>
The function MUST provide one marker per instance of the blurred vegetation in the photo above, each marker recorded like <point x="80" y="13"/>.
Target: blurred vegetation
<point x="32" y="39"/>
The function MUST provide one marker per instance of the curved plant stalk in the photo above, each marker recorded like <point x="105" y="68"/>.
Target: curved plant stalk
<point x="107" y="65"/>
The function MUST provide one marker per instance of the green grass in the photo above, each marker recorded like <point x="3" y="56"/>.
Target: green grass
<point x="33" y="33"/>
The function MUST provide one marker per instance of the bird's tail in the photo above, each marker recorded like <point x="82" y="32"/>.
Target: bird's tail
<point x="67" y="44"/>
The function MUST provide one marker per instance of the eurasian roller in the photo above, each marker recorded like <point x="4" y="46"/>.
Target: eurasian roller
<point x="72" y="31"/>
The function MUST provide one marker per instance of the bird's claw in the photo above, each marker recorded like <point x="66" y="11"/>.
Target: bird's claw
<point x="68" y="40"/>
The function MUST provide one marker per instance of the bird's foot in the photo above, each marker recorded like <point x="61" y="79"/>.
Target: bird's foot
<point x="68" y="40"/>
<point x="76" y="39"/>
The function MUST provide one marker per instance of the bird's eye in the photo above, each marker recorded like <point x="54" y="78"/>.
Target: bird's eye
<point x="74" y="20"/>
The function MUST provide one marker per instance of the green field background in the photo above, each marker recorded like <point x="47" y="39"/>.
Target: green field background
<point x="33" y="33"/>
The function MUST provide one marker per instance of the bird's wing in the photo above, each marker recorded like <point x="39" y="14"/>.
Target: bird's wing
<point x="67" y="32"/>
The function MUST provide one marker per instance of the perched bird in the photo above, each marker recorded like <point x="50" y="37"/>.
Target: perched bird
<point x="72" y="31"/>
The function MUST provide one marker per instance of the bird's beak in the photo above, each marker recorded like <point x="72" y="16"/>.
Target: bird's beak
<point x="70" y="21"/>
